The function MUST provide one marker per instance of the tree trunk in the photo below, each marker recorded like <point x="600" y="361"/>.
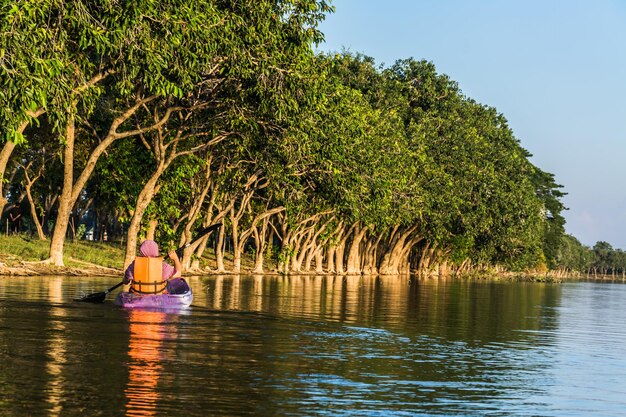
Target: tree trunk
<point x="194" y="213"/>
<point x="72" y="189"/>
<point x="354" y="254"/>
<point x="260" y="241"/>
<point x="143" y="200"/>
<point x="403" y="251"/>
<point x="208" y="220"/>
<point x="339" y="253"/>
<point x="296" y="261"/>
<point x="319" y="260"/>
<point x="300" y="250"/>
<point x="65" y="202"/>
<point x="7" y="150"/>
<point x="384" y="266"/>
<point x="340" y="250"/>
<point x="308" y="259"/>
<point x="393" y="257"/>
<point x="150" y="232"/>
<point x="331" y="260"/>
<point x="33" y="212"/>
<point x="240" y="237"/>
<point x="259" y="244"/>
<point x="332" y="249"/>
<point x="465" y="264"/>
<point x="219" y="251"/>
<point x="269" y="246"/>
<point x="33" y="209"/>
<point x="369" y="258"/>
<point x="313" y="247"/>
<point x="373" y="255"/>
<point x="237" y="245"/>
<point x="285" y="241"/>
<point x="49" y="203"/>
<point x="424" y="262"/>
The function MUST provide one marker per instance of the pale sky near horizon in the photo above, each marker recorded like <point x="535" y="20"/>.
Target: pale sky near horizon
<point x="556" y="69"/>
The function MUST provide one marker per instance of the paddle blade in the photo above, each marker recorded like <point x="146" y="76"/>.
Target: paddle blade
<point x="97" y="297"/>
<point x="199" y="235"/>
<point x="206" y="230"/>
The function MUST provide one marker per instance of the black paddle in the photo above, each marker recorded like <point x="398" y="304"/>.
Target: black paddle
<point x="99" y="297"/>
<point x="199" y="236"/>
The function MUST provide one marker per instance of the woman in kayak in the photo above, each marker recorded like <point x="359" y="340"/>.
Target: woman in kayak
<point x="149" y="248"/>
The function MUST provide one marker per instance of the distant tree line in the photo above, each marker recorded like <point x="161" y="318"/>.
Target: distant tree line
<point x="153" y="119"/>
<point x="600" y="260"/>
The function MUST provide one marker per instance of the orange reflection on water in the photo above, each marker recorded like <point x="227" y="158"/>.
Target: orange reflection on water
<point x="145" y="368"/>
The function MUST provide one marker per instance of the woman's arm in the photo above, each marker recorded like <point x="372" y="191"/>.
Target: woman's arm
<point x="129" y="274"/>
<point x="177" y="267"/>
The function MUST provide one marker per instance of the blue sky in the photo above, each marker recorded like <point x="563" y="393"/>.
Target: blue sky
<point x="555" y="68"/>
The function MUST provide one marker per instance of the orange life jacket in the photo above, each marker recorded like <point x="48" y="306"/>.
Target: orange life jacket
<point x="148" y="276"/>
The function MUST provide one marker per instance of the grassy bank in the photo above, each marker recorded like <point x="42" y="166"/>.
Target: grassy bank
<point x="23" y="253"/>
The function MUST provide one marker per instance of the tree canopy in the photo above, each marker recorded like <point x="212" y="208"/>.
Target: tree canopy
<point x="166" y="116"/>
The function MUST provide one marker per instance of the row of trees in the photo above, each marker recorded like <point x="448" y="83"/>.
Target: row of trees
<point x="151" y="119"/>
<point x="601" y="259"/>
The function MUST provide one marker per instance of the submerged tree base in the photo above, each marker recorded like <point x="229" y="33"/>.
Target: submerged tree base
<point x="22" y="255"/>
<point x="514" y="276"/>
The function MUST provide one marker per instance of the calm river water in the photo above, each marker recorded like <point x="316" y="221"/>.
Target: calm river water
<point x="316" y="346"/>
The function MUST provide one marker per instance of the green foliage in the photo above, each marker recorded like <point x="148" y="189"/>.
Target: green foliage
<point x="397" y="147"/>
<point x="573" y="255"/>
<point x="80" y="232"/>
<point x="471" y="174"/>
<point x="172" y="199"/>
<point x="601" y="259"/>
<point x="118" y="178"/>
<point x="550" y="195"/>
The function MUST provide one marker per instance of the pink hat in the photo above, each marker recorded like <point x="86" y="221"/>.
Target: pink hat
<point x="149" y="248"/>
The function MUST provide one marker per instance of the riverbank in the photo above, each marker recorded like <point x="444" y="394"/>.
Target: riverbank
<point x="23" y="255"/>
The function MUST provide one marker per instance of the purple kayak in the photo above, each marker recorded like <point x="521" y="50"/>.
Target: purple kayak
<point x="179" y="295"/>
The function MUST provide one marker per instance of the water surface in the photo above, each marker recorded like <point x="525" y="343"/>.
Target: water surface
<point x="316" y="346"/>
